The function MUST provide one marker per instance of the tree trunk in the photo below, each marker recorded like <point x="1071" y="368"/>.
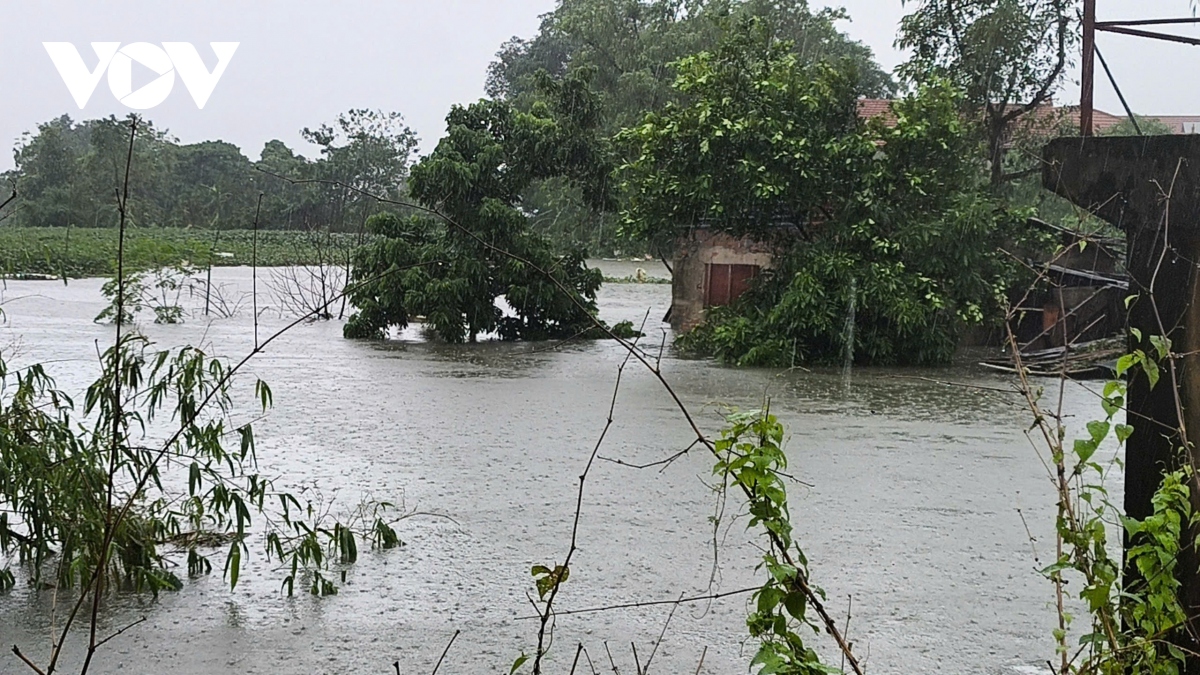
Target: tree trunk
<point x="996" y="128"/>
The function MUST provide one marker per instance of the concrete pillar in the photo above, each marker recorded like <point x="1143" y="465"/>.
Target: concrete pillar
<point x="1150" y="188"/>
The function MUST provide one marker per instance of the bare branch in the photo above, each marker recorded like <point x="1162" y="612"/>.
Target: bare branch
<point x="661" y="635"/>
<point x="445" y="651"/>
<point x="652" y="603"/>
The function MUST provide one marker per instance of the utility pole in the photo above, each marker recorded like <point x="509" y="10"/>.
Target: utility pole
<point x="1087" y="102"/>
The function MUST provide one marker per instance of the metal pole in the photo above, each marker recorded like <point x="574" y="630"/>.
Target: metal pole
<point x="1088" y="80"/>
<point x="1113" y="81"/>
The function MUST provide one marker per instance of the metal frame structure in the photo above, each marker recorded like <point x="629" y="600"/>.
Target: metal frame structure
<point x="1090" y="52"/>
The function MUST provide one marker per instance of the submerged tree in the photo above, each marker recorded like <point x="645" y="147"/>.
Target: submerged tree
<point x="475" y="179"/>
<point x="92" y="496"/>
<point x="888" y="219"/>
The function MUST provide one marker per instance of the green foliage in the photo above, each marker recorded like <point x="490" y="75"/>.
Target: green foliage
<point x="67" y="171"/>
<point x="631" y="47"/>
<point x="761" y="139"/>
<point x="1008" y="57"/>
<point x="92" y="252"/>
<point x="363" y="153"/>
<point x="452" y="275"/>
<point x="632" y="44"/>
<point x="750" y="457"/>
<point x="891" y="219"/>
<point x="1133" y="618"/>
<point x="558" y="212"/>
<point x="90" y="490"/>
<point x="158" y="290"/>
<point x="1146" y="126"/>
<point x="1155" y="611"/>
<point x="996" y="51"/>
<point x="548" y="579"/>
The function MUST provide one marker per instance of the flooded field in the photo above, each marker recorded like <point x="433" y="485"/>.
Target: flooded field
<point x="913" y="509"/>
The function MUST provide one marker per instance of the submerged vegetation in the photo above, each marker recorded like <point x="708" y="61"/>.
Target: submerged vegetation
<point x="890" y="238"/>
<point x="452" y="268"/>
<point x="622" y="125"/>
<point x="92" y="252"/>
<point x="86" y="501"/>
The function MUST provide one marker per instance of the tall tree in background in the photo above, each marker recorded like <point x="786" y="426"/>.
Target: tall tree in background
<point x="1007" y="56"/>
<point x="46" y="166"/>
<point x="365" y="151"/>
<point x="67" y="172"/>
<point x="631" y="47"/>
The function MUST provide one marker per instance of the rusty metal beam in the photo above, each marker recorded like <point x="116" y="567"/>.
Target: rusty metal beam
<point x="1113" y="81"/>
<point x="1148" y="22"/>
<point x="1087" y="82"/>
<point x="1087" y="102"/>
<point x="1087" y="98"/>
<point x="1195" y="42"/>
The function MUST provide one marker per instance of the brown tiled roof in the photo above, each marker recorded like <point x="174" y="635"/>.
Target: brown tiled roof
<point x="870" y="108"/>
<point x="1101" y="120"/>
<point x="1180" y="124"/>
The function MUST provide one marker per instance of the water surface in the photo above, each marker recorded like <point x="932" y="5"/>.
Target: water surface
<point x="913" y="509"/>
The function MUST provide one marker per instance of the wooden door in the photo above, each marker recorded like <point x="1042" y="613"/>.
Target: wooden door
<point x="726" y="283"/>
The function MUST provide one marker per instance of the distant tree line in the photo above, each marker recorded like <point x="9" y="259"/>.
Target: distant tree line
<point x="66" y="172"/>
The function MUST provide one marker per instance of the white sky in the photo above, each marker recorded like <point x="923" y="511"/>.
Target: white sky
<point x="301" y="62"/>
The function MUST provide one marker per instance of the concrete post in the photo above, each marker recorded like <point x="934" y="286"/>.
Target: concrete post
<point x="1150" y="188"/>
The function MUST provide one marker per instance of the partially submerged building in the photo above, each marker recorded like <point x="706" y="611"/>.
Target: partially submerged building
<point x="712" y="269"/>
<point x="1083" y="295"/>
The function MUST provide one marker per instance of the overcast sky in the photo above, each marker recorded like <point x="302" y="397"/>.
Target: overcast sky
<point x="301" y="62"/>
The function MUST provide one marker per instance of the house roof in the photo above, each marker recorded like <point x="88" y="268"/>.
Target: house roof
<point x="1101" y="121"/>
<point x="1180" y="124"/>
<point x="870" y="108"/>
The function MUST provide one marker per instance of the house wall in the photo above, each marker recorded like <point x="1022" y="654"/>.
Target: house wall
<point x="693" y="253"/>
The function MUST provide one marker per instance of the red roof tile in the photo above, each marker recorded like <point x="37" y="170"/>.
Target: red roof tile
<point x="870" y="108"/>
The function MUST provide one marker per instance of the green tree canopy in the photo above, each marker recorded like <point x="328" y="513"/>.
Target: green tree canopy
<point x="1008" y="57"/>
<point x="631" y="45"/>
<point x="1146" y="126"/>
<point x="631" y="48"/>
<point x="450" y="274"/>
<point x="67" y="172"/>
<point x="889" y="219"/>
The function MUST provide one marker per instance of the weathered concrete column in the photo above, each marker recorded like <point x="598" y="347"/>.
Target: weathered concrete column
<point x="1150" y="188"/>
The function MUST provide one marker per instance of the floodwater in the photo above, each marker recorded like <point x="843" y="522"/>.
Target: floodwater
<point x="912" y="510"/>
